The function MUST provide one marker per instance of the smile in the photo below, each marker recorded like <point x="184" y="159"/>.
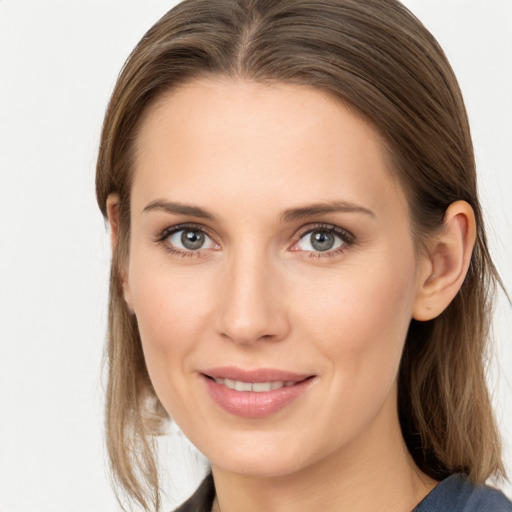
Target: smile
<point x="257" y="387"/>
<point x="255" y="393"/>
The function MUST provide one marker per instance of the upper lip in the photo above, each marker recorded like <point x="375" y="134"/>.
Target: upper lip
<point x="255" y="375"/>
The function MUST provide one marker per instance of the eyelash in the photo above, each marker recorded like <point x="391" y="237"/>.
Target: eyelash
<point x="346" y="237"/>
<point x="163" y="236"/>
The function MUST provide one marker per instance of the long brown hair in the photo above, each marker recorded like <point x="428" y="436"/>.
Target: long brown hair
<point x="376" y="57"/>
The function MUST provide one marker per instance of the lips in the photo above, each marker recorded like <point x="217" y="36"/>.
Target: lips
<point x="254" y="393"/>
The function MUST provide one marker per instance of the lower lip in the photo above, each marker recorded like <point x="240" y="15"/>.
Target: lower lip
<point x="250" y="404"/>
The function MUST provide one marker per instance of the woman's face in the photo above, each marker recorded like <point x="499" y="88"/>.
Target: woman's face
<point x="270" y="252"/>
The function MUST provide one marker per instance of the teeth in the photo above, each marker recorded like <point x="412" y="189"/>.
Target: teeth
<point x="243" y="386"/>
<point x="262" y="386"/>
<point x="257" y="387"/>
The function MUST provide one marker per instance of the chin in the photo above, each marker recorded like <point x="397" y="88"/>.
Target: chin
<point x="258" y="467"/>
<point x="261" y="459"/>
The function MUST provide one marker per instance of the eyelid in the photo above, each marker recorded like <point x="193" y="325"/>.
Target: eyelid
<point x="169" y="230"/>
<point x="162" y="238"/>
<point x="346" y="237"/>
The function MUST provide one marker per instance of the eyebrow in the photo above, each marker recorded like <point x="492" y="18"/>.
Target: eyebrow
<point x="178" y="209"/>
<point x="290" y="215"/>
<point x="323" y="208"/>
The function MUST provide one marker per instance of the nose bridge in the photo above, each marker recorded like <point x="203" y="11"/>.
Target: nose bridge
<point x="251" y="305"/>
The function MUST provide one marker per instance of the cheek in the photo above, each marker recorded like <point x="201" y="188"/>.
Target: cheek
<point x="358" y="301"/>
<point x="166" y="301"/>
<point x="171" y="310"/>
<point x="171" y="325"/>
<point x="360" y="321"/>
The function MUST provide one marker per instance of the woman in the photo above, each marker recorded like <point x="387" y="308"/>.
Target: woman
<point x="300" y="273"/>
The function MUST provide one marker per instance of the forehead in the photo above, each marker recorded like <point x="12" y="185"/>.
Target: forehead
<point x="268" y="142"/>
<point x="210" y="110"/>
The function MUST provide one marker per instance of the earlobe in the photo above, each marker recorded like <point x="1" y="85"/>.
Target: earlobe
<point x="447" y="263"/>
<point x="113" y="203"/>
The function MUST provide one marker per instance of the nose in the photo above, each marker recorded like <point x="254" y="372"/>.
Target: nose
<point x="252" y="303"/>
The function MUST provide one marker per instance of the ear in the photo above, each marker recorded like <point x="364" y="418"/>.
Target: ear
<point x="447" y="262"/>
<point x="113" y="203"/>
<point x="113" y="207"/>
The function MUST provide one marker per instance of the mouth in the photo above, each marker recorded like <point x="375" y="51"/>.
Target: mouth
<point x="255" y="393"/>
<point x="256" y="387"/>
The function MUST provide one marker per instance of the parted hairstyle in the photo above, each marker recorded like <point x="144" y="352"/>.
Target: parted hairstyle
<point x="378" y="59"/>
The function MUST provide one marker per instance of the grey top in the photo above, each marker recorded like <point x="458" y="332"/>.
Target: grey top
<point x="457" y="494"/>
<point x="454" y="494"/>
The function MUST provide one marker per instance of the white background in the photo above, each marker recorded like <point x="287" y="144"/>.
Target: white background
<point x="58" y="64"/>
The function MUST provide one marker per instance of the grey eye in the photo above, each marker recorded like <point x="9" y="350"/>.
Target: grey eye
<point x="190" y="240"/>
<point x="320" y="240"/>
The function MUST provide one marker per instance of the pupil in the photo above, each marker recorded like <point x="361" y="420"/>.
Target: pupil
<point x="322" y="241"/>
<point x="192" y="239"/>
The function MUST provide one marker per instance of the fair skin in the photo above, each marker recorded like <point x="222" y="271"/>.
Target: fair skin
<point x="241" y="283"/>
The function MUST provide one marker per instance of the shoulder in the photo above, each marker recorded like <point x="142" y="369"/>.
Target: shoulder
<point x="454" y="494"/>
<point x="458" y="494"/>
<point x="202" y="499"/>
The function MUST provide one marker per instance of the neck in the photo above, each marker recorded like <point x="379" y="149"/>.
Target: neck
<point x="372" y="473"/>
